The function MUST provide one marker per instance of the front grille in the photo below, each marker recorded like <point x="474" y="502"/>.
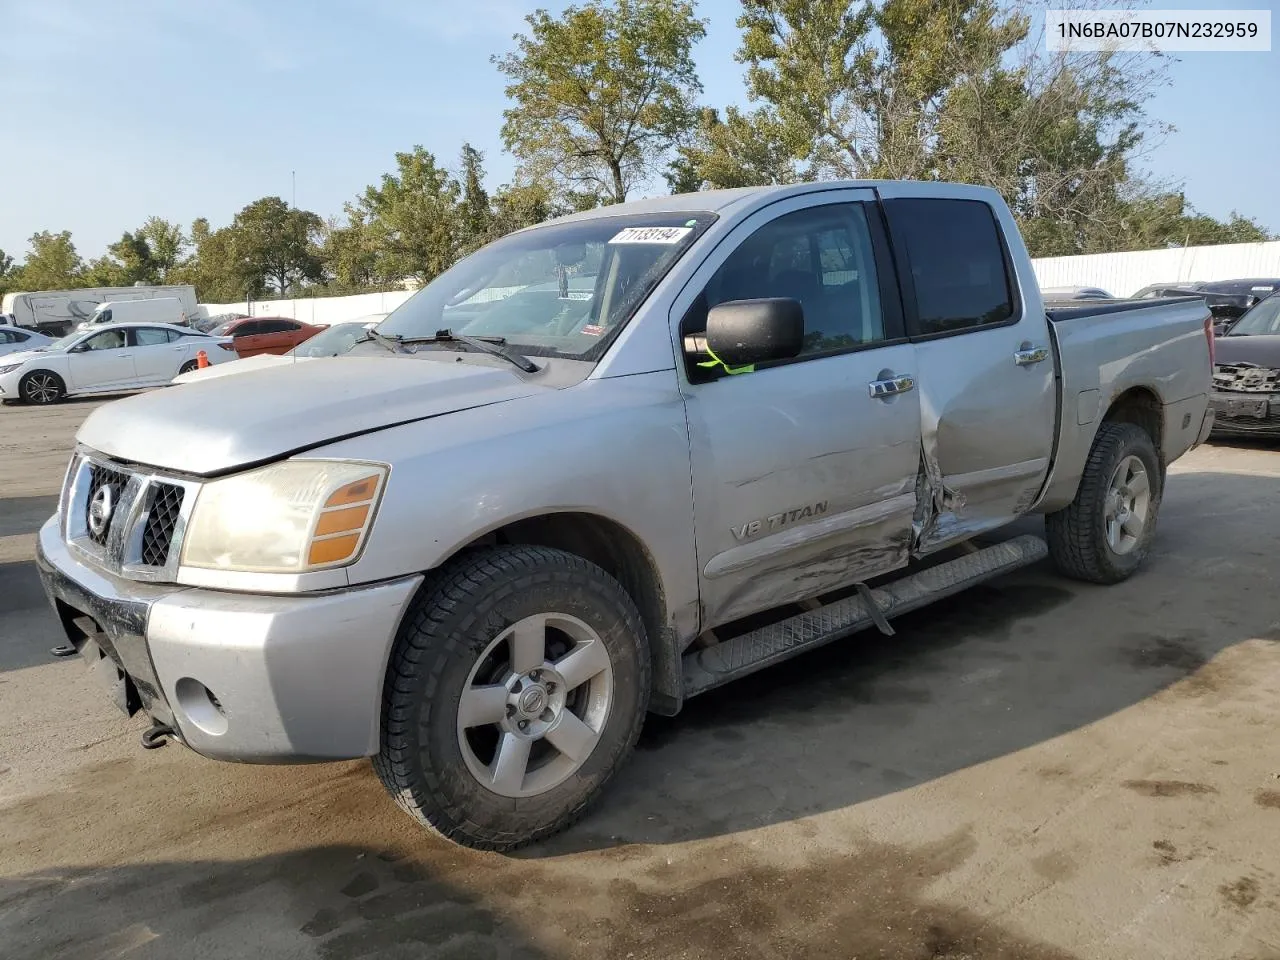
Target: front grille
<point x="164" y="505"/>
<point x="1245" y="378"/>
<point x="99" y="477"/>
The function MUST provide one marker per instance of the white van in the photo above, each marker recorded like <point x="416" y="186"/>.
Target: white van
<point x="157" y="310"/>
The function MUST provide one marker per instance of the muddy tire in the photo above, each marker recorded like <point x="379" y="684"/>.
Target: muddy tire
<point x="41" y="387"/>
<point x="1104" y="535"/>
<point x="516" y="689"/>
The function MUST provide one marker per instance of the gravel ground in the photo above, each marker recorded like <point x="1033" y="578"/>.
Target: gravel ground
<point x="1034" y="769"/>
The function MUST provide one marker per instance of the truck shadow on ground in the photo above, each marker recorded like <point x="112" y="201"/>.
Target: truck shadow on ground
<point x="21" y="515"/>
<point x="272" y="906"/>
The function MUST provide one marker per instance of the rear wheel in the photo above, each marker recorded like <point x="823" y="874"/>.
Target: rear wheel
<point x="1104" y="535"/>
<point x="188" y="367"/>
<point x="516" y="690"/>
<point x="41" y="386"/>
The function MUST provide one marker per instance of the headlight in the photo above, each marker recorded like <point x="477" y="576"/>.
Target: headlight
<point x="289" y="517"/>
<point x="10" y="368"/>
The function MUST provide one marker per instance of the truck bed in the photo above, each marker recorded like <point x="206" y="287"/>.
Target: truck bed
<point x="1105" y="349"/>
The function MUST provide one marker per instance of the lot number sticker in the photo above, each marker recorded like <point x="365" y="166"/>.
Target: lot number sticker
<point x="652" y="235"/>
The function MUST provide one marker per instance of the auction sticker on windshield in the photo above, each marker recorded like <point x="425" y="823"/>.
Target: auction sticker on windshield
<point x="651" y="235"/>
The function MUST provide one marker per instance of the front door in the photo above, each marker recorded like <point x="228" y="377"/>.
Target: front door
<point x="987" y="390"/>
<point x="103" y="360"/>
<point x="804" y="471"/>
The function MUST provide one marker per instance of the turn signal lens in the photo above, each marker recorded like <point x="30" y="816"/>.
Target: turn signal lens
<point x="342" y="521"/>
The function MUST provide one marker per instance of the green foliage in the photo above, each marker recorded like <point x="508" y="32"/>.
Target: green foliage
<point x="10" y="274"/>
<point x="602" y="93"/>
<point x="274" y="247"/>
<point x="52" y="262"/>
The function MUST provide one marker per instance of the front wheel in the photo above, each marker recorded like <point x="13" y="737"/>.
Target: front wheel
<point x="516" y="690"/>
<point x="1104" y="534"/>
<point x="41" y="386"/>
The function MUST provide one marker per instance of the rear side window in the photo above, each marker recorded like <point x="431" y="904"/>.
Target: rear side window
<point x="152" y="336"/>
<point x="956" y="262"/>
<point x="276" y="326"/>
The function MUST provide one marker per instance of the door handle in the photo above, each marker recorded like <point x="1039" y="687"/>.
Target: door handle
<point x="891" y="386"/>
<point x="1030" y="356"/>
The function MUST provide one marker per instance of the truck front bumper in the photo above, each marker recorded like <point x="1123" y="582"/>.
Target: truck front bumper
<point x="246" y="677"/>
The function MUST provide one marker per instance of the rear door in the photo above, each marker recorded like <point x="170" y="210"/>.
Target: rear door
<point x="988" y="397"/>
<point x="246" y="337"/>
<point x="103" y="360"/>
<point x="157" y="354"/>
<point x="804" y="471"/>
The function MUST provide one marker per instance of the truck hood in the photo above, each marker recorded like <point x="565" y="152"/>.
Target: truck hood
<point x="216" y="425"/>
<point x="228" y="367"/>
<point x="1261" y="350"/>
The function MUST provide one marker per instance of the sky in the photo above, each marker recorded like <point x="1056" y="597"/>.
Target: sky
<point x="115" y="110"/>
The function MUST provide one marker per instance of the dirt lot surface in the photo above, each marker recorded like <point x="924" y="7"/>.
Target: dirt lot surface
<point x="1035" y="769"/>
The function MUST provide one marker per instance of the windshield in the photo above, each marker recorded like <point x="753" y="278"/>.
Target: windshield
<point x="221" y="329"/>
<point x="332" y="342"/>
<point x="1262" y="320"/>
<point x="559" y="290"/>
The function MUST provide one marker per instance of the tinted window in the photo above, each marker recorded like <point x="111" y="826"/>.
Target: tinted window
<point x="151" y="336"/>
<point x="956" y="261"/>
<point x="17" y="336"/>
<point x="276" y="326"/>
<point x="7" y="337"/>
<point x="820" y="256"/>
<point x="248" y="329"/>
<point x="107" y="340"/>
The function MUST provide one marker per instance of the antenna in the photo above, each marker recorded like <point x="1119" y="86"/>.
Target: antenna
<point x="293" y="177"/>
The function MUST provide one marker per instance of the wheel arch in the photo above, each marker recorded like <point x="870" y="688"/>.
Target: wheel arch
<point x="1141" y="407"/>
<point x="623" y="555"/>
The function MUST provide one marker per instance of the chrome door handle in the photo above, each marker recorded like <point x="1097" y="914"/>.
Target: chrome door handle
<point x="891" y="386"/>
<point x="1025" y="358"/>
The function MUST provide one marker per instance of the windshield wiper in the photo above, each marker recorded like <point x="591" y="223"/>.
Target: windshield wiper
<point x="490" y="345"/>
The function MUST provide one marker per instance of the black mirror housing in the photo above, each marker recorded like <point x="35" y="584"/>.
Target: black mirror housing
<point x="743" y="332"/>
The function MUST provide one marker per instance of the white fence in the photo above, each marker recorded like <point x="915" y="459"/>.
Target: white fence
<point x="1121" y="274"/>
<point x="1124" y="274"/>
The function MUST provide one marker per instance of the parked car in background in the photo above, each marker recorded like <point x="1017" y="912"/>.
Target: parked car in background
<point x="1064" y="294"/>
<point x="333" y="341"/>
<point x="121" y="357"/>
<point x="255" y="335"/>
<point x="16" y="340"/>
<point x="168" y="310"/>
<point x="1226" y="305"/>
<point x="205" y="324"/>
<point x="1154" y="290"/>
<point x="1246" y="374"/>
<point x="482" y="561"/>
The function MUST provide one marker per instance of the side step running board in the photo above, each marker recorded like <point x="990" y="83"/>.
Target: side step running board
<point x="743" y="655"/>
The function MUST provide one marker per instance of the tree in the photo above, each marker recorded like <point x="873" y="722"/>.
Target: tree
<point x="213" y="269"/>
<point x="742" y="150"/>
<point x="52" y="263"/>
<point x="601" y="94"/>
<point x="350" y="255"/>
<point x="412" y="219"/>
<point x="475" y="213"/>
<point x="10" y="274"/>
<point x="274" y="247"/>
<point x="167" y="246"/>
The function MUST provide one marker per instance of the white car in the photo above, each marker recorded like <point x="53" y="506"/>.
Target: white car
<point x="16" y="340"/>
<point x="127" y="356"/>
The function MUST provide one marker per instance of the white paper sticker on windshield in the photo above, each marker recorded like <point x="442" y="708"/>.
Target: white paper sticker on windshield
<point x="652" y="235"/>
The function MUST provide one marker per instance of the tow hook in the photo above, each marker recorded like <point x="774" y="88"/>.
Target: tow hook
<point x="157" y="735"/>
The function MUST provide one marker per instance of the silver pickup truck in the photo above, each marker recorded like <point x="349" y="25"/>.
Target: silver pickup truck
<point x="600" y="466"/>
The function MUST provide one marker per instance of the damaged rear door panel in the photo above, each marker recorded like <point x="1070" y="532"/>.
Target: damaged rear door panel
<point x="986" y="363"/>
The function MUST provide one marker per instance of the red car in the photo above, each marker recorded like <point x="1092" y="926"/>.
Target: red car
<point x="254" y="335"/>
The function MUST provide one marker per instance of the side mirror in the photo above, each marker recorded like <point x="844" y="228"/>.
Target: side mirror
<point x="742" y="332"/>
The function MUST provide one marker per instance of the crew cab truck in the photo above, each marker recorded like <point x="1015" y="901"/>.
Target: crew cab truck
<point x="709" y="432"/>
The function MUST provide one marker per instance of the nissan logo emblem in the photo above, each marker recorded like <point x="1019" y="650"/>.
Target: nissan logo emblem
<point x="100" y="507"/>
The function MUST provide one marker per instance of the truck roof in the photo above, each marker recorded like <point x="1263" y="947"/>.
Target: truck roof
<point x="718" y="201"/>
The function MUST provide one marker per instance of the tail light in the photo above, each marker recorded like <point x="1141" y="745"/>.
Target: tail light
<point x="1208" y="336"/>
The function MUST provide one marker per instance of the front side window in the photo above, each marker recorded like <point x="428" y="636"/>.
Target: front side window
<point x="563" y="289"/>
<point x="820" y="256"/>
<point x="956" y="262"/>
<point x="107" y="340"/>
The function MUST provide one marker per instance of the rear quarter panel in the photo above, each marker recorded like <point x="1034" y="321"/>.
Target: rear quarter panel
<point x="1161" y="348"/>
